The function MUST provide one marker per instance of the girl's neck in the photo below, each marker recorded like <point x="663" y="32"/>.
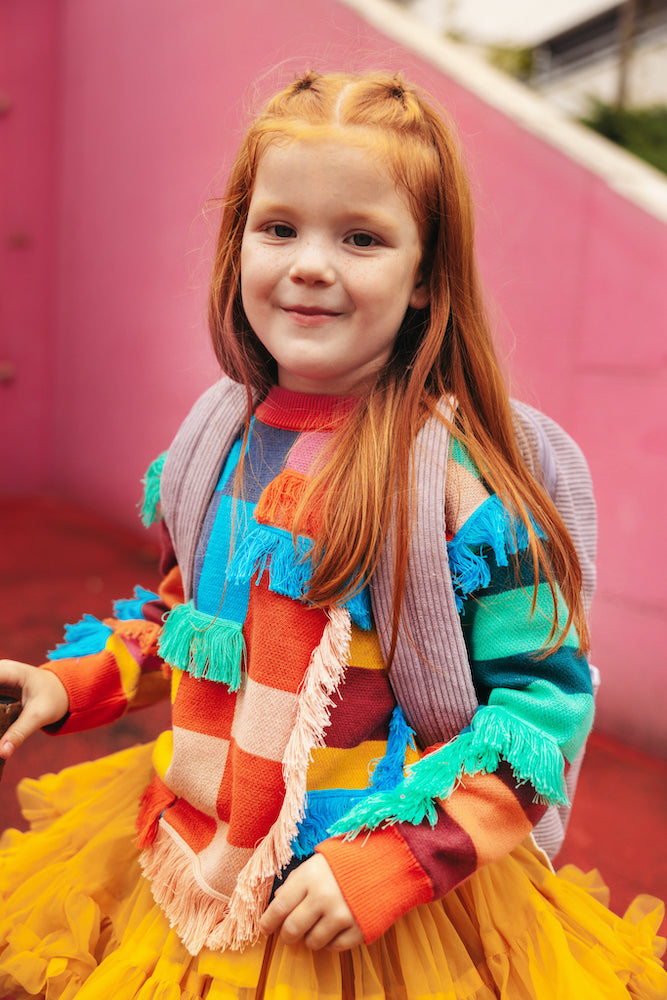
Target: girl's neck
<point x="301" y="411"/>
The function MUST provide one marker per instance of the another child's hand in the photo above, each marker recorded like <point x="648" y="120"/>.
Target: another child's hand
<point x="310" y="907"/>
<point x="44" y="700"/>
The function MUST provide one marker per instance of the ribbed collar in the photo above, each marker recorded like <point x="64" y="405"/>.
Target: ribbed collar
<point x="300" y="411"/>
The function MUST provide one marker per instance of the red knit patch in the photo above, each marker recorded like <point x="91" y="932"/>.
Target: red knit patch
<point x="154" y="801"/>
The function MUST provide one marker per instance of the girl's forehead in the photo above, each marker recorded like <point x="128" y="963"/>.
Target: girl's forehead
<point x="304" y="136"/>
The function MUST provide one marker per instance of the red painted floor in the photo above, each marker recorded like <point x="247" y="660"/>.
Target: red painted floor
<point x="57" y="562"/>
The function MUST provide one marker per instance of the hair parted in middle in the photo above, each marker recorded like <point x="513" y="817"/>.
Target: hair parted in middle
<point x="445" y="349"/>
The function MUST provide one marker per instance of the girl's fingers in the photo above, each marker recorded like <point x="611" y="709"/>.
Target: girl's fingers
<point x="44" y="701"/>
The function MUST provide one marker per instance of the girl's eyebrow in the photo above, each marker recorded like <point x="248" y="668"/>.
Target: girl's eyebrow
<point x="355" y="216"/>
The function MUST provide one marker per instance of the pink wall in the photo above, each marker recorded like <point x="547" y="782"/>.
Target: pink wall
<point x="151" y="100"/>
<point x="29" y="84"/>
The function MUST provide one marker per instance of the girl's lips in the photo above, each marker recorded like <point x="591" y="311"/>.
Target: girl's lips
<point x="310" y="315"/>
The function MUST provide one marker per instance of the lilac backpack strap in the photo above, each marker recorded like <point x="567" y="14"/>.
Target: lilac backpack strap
<point x="192" y="467"/>
<point x="430" y="675"/>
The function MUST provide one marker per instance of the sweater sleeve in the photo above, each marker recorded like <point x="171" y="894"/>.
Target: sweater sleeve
<point x="474" y="800"/>
<point x="113" y="666"/>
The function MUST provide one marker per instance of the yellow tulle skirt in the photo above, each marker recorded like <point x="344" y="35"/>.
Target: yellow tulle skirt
<point x="77" y="919"/>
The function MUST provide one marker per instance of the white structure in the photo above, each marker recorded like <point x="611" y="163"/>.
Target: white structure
<point x="575" y="44"/>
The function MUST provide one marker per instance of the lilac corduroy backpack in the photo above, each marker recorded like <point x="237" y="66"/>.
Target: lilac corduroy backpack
<point x="437" y="703"/>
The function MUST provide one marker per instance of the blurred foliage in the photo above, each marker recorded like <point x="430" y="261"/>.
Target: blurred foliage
<point x="642" y="131"/>
<point x="512" y="59"/>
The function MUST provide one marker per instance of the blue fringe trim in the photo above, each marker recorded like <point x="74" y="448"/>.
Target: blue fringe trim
<point x="322" y="810"/>
<point x="203" y="646"/>
<point x="151" y="500"/>
<point x="389" y="770"/>
<point x="289" y="568"/>
<point x="82" y="639"/>
<point x="491" y="524"/>
<point x="132" y="608"/>
<point x="493" y="735"/>
<point x="326" y="808"/>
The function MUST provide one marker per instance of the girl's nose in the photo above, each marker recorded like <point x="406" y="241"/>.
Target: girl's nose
<point x="312" y="265"/>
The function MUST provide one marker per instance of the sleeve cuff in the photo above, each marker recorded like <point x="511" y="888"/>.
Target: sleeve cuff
<point x="379" y="877"/>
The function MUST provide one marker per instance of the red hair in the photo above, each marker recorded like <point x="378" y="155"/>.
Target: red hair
<point x="443" y="349"/>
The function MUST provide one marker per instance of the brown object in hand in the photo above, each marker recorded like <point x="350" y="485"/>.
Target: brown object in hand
<point x="10" y="709"/>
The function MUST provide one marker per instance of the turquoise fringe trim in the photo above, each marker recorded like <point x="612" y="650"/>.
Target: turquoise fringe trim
<point x="151" y="481"/>
<point x="82" y="639"/>
<point x="494" y="735"/>
<point x="132" y="608"/>
<point x="289" y="567"/>
<point x="491" y="524"/>
<point x="203" y="646"/>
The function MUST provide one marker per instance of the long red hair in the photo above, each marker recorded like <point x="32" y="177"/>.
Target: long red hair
<point x="444" y="349"/>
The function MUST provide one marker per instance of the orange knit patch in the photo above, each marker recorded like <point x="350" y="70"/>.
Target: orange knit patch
<point x="195" y="827"/>
<point x="204" y="706"/>
<point x="490" y="813"/>
<point x="278" y="504"/>
<point x="379" y="876"/>
<point x="143" y="632"/>
<point x="280" y="636"/>
<point x="171" y="589"/>
<point x="255" y="804"/>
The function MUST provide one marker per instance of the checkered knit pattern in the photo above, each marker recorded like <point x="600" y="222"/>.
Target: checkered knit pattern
<point x="285" y="726"/>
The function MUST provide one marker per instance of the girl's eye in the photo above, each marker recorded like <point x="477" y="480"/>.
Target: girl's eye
<point x="282" y="231"/>
<point x="362" y="240"/>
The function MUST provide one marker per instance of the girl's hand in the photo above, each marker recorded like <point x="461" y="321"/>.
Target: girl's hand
<point x="310" y="907"/>
<point x="44" y="700"/>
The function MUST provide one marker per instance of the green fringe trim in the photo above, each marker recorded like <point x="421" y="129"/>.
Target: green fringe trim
<point x="203" y="646"/>
<point x="494" y="735"/>
<point x="151" y="481"/>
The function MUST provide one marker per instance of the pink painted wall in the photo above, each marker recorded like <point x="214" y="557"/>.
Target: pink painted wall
<point x="29" y="32"/>
<point x="136" y="107"/>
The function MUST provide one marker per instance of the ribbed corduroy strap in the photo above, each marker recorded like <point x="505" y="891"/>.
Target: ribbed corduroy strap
<point x="192" y="467"/>
<point x="430" y="674"/>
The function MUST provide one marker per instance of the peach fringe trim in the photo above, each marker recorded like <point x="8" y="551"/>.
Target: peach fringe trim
<point x="217" y="923"/>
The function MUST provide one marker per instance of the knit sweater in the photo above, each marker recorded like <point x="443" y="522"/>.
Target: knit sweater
<point x="285" y="726"/>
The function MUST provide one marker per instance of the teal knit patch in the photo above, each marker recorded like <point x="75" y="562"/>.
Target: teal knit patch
<point x="492" y="635"/>
<point x="203" y="646"/>
<point x="151" y="481"/>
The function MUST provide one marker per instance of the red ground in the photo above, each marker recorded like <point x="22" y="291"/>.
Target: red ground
<point x="57" y="562"/>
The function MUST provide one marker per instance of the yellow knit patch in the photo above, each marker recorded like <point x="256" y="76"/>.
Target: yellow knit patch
<point x="128" y="668"/>
<point x="365" y="649"/>
<point x="176" y="675"/>
<point x="332" y="767"/>
<point x="162" y="753"/>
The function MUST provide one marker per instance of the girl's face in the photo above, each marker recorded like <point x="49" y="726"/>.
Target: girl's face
<point x="329" y="264"/>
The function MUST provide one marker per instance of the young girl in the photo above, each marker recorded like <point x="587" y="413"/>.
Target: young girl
<point x="343" y="805"/>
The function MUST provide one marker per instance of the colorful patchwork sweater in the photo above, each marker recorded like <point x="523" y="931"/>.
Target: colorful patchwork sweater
<point x="286" y="736"/>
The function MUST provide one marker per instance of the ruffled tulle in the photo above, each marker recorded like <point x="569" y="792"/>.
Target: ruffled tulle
<point x="77" y="919"/>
